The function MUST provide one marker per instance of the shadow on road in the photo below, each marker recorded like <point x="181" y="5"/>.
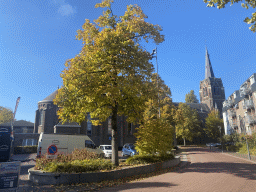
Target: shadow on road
<point x="141" y="185"/>
<point x="244" y="170"/>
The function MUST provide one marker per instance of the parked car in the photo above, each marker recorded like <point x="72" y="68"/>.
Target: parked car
<point x="128" y="149"/>
<point x="211" y="144"/>
<point x="107" y="149"/>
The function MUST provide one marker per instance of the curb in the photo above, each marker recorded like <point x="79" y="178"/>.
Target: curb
<point x="241" y="156"/>
<point x="43" y="178"/>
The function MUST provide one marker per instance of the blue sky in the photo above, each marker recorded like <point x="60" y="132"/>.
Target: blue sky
<point x="37" y="37"/>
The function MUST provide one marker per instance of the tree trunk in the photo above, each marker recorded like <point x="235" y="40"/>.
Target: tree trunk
<point x="115" y="160"/>
<point x="174" y="139"/>
<point x="184" y="142"/>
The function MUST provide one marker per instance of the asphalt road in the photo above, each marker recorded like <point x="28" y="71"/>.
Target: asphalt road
<point x="207" y="171"/>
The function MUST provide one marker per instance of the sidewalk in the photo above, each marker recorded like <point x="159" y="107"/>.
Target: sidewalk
<point x="244" y="156"/>
<point x="24" y="157"/>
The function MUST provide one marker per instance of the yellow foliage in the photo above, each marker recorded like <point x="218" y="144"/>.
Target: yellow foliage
<point x="112" y="70"/>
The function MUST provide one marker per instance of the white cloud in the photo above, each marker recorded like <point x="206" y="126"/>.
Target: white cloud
<point x="66" y="10"/>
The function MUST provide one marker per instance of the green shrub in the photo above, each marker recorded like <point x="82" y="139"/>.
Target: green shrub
<point x="81" y="154"/>
<point x="78" y="166"/>
<point x="25" y="149"/>
<point x="145" y="159"/>
<point x="17" y="150"/>
<point x="232" y="148"/>
<point x="77" y="154"/>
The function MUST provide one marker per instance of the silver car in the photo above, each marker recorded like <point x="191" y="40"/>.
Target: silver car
<point x="128" y="149"/>
<point x="107" y="149"/>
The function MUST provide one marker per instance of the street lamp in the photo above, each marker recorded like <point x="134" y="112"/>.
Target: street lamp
<point x="152" y="55"/>
<point x="221" y="138"/>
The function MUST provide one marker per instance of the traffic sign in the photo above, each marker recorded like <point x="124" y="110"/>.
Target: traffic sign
<point x="52" y="149"/>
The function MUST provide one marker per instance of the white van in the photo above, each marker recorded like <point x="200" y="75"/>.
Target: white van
<point x="54" y="144"/>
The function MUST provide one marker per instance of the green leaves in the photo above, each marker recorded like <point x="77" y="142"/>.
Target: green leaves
<point x="191" y="97"/>
<point x="155" y="134"/>
<point x="6" y="115"/>
<point x="186" y="122"/>
<point x="112" y="68"/>
<point x="104" y="3"/>
<point x="248" y="3"/>
<point x="212" y="122"/>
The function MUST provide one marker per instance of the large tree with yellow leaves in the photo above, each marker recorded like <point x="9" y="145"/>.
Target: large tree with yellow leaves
<point x="109" y="76"/>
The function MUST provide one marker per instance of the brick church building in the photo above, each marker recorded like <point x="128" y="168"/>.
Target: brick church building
<point x="46" y="120"/>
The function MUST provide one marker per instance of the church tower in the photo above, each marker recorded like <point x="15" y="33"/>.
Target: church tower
<point x="211" y="89"/>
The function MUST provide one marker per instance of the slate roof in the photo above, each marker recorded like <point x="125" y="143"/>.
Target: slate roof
<point x="197" y="106"/>
<point x="50" y="97"/>
<point x="202" y="109"/>
<point x="20" y="123"/>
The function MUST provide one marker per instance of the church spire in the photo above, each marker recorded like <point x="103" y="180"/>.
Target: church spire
<point x="208" y="66"/>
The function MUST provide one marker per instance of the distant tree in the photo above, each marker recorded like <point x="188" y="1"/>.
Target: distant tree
<point x="191" y="97"/>
<point x="109" y="76"/>
<point x="186" y="122"/>
<point x="212" y="123"/>
<point x="248" y="3"/>
<point x="6" y="115"/>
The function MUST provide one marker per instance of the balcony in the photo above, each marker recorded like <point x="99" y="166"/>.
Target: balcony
<point x="251" y="119"/>
<point x="229" y="103"/>
<point x="248" y="104"/>
<point x="232" y="114"/>
<point x="245" y="91"/>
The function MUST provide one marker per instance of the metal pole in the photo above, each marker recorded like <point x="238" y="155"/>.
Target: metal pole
<point x="249" y="156"/>
<point x="155" y="50"/>
<point x="221" y="139"/>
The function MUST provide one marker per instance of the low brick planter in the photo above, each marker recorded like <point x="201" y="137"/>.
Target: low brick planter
<point x="44" y="178"/>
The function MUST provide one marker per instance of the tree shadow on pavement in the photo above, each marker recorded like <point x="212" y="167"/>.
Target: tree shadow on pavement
<point x="52" y="188"/>
<point x="244" y="170"/>
<point x="141" y="185"/>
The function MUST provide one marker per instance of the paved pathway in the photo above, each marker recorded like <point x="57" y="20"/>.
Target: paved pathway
<point x="208" y="171"/>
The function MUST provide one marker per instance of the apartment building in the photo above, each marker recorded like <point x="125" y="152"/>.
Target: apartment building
<point x="239" y="109"/>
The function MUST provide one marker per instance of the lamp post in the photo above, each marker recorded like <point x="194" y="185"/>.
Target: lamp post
<point x="247" y="145"/>
<point x="152" y="55"/>
<point x="221" y="139"/>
